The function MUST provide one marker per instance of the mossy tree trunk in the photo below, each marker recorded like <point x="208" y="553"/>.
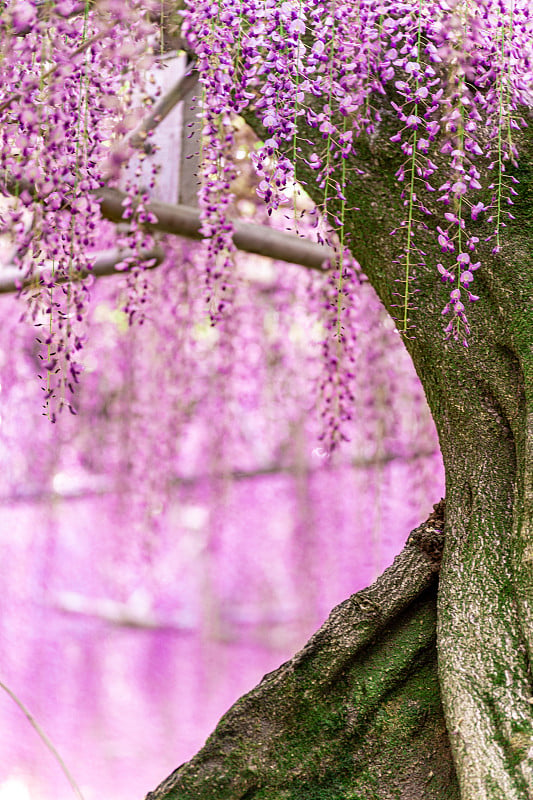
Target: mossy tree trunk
<point x="357" y="713"/>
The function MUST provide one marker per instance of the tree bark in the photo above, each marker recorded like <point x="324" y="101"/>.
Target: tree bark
<point x="481" y="401"/>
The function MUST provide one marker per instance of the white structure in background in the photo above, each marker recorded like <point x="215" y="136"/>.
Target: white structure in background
<point x="176" y="137"/>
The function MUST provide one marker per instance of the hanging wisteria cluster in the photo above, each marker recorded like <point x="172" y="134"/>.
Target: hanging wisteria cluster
<point x="454" y="73"/>
<point x="68" y="71"/>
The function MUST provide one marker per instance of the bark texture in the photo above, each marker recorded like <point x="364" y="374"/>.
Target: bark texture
<point x="481" y="402"/>
<point x="355" y="714"/>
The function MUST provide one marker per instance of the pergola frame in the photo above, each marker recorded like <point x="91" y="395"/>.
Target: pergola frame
<point x="178" y="219"/>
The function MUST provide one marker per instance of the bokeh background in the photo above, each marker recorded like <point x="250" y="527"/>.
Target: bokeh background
<point x="187" y="530"/>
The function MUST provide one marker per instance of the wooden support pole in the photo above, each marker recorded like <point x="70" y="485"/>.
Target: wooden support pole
<point x="163" y="107"/>
<point x="12" y="279"/>
<point x="248" y="236"/>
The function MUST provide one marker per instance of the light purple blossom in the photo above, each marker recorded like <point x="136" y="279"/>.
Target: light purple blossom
<point x="477" y="209"/>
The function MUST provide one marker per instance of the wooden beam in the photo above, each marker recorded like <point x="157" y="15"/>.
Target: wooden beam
<point x="12" y="279"/>
<point x="248" y="236"/>
<point x="184" y="221"/>
<point x="140" y="138"/>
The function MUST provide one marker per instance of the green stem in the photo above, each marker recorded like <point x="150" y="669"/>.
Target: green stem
<point x="410" y="219"/>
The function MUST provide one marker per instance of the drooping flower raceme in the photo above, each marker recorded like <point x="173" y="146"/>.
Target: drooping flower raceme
<point x="453" y="73"/>
<point x="66" y="75"/>
<point x="457" y="72"/>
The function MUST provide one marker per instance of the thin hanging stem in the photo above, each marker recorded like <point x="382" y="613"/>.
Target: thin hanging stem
<point x="35" y="725"/>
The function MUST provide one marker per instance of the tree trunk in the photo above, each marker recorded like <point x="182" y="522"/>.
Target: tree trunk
<point x="357" y="713"/>
<point x="481" y="401"/>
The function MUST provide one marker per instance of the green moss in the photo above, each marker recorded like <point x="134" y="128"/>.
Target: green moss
<point x="522" y="330"/>
<point x="364" y="734"/>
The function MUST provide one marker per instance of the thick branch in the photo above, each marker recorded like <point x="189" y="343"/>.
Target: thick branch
<point x="479" y="399"/>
